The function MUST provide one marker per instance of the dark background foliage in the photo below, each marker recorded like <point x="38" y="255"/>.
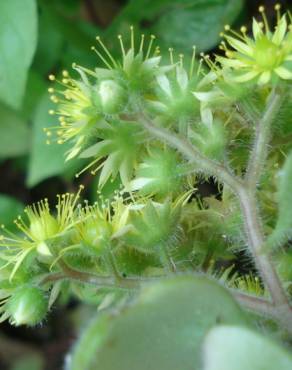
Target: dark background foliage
<point x="42" y="37"/>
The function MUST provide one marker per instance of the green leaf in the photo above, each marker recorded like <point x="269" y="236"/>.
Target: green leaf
<point x="77" y="37"/>
<point x="45" y="160"/>
<point x="18" y="30"/>
<point x="235" y="348"/>
<point x="283" y="228"/>
<point x="14" y="133"/>
<point x="35" y="88"/>
<point x="50" y="42"/>
<point x="204" y="21"/>
<point x="162" y="330"/>
<point x="29" y="362"/>
<point x="10" y="208"/>
<point x="188" y="22"/>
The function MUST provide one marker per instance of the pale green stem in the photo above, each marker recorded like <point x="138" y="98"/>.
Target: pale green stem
<point x="249" y="201"/>
<point x="260" y="148"/>
<point x="255" y="243"/>
<point x="242" y="190"/>
<point x="254" y="304"/>
<point x="203" y="163"/>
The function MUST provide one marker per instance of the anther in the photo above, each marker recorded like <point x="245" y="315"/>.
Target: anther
<point x="277" y="6"/>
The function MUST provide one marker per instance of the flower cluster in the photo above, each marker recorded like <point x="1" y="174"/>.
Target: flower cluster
<point x="85" y="106"/>
<point x="265" y="57"/>
<point x="80" y="235"/>
<point x="99" y="114"/>
<point x="156" y="221"/>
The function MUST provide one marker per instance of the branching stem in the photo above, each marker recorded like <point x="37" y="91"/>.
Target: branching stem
<point x="244" y="189"/>
<point x="254" y="304"/>
<point x="201" y="162"/>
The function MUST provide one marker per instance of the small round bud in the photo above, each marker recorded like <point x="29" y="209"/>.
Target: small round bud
<point x="277" y="6"/>
<point x="113" y="97"/>
<point x="44" y="227"/>
<point x="52" y="77"/>
<point x="261" y="9"/>
<point x="96" y="233"/>
<point x="27" y="306"/>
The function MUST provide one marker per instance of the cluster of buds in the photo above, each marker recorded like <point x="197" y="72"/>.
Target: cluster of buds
<point x="99" y="234"/>
<point x="100" y="114"/>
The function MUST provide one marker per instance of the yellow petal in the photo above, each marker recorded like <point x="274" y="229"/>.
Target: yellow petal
<point x="246" y="76"/>
<point x="284" y="73"/>
<point x="264" y="78"/>
<point x="280" y="32"/>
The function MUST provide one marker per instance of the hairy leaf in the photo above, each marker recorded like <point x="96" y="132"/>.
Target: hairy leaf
<point x="230" y="348"/>
<point x="162" y="330"/>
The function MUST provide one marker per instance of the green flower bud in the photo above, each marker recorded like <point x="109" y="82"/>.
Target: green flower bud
<point x="175" y="100"/>
<point x="96" y="233"/>
<point x="155" y="225"/>
<point x="99" y="225"/>
<point x="159" y="173"/>
<point x="27" y="306"/>
<point x="113" y="97"/>
<point x="210" y="139"/>
<point x="43" y="227"/>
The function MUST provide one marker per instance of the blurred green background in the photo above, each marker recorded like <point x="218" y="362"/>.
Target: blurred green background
<point x="39" y="37"/>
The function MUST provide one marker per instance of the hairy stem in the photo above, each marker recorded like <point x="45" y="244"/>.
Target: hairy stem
<point x="255" y="242"/>
<point x="203" y="163"/>
<point x="249" y="202"/>
<point x="244" y="190"/>
<point x="254" y="304"/>
<point x="260" y="148"/>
